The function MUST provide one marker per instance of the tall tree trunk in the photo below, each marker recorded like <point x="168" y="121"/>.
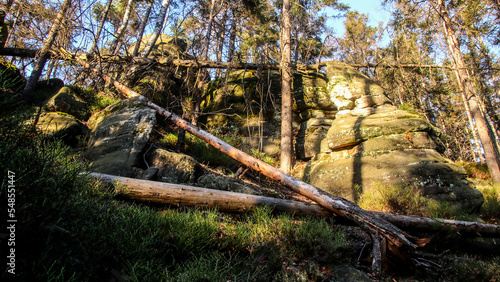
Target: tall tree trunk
<point x="492" y="159"/>
<point x="121" y="30"/>
<point x="286" y="92"/>
<point x="160" y="21"/>
<point x="221" y="38"/>
<point x="44" y="52"/>
<point x="142" y="28"/>
<point x="232" y="38"/>
<point x="208" y="35"/>
<point x="101" y="26"/>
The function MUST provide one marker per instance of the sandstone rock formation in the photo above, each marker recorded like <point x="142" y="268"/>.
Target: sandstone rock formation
<point x="348" y="131"/>
<point x="119" y="134"/>
<point x="371" y="142"/>
<point x="67" y="101"/>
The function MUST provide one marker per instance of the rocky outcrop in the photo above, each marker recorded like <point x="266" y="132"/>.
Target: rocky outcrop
<point x="68" y="102"/>
<point x="173" y="167"/>
<point x="62" y="126"/>
<point x="119" y="135"/>
<point x="369" y="142"/>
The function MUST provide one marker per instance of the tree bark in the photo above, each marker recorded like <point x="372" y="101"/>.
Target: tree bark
<point x="44" y="52"/>
<point x="101" y="26"/>
<point x="143" y="27"/>
<point x="232" y="37"/>
<point x="160" y="21"/>
<point x="174" y="194"/>
<point x="113" y="49"/>
<point x="492" y="158"/>
<point x="286" y="157"/>
<point x="208" y="35"/>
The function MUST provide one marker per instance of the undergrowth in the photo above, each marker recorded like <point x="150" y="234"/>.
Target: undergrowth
<point x="74" y="229"/>
<point x="207" y="154"/>
<point x="406" y="199"/>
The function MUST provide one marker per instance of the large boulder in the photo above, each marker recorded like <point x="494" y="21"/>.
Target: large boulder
<point x="310" y="135"/>
<point x="348" y="88"/>
<point x="65" y="100"/>
<point x="370" y="142"/>
<point x="173" y="167"/>
<point x="119" y="135"/>
<point x="61" y="126"/>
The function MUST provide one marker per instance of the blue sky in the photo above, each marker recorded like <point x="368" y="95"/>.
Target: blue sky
<point x="373" y="8"/>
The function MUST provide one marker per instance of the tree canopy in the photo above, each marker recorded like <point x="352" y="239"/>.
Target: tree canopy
<point x="420" y="66"/>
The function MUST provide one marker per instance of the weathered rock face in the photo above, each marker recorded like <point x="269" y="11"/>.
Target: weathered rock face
<point x="370" y="141"/>
<point x="174" y="167"/>
<point x="119" y="134"/>
<point x="61" y="125"/>
<point x="243" y="107"/>
<point x="68" y="102"/>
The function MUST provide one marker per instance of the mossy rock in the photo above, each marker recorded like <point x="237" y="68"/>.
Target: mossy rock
<point x="310" y="135"/>
<point x="120" y="132"/>
<point x="243" y="95"/>
<point x="310" y="92"/>
<point x="224" y="183"/>
<point x="174" y="167"/>
<point x="348" y="88"/>
<point x="438" y="178"/>
<point x="11" y="80"/>
<point x="165" y="45"/>
<point x="61" y="126"/>
<point x="67" y="101"/>
<point x="45" y="89"/>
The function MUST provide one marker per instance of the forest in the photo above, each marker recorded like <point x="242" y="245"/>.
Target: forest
<point x="238" y="70"/>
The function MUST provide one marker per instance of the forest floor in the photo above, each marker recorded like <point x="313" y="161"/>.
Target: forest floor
<point x="70" y="227"/>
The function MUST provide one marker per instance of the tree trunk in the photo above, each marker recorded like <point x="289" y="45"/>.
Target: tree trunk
<point x="286" y="92"/>
<point x="208" y="35"/>
<point x="339" y="206"/>
<point x="143" y="27"/>
<point x="101" y="26"/>
<point x="160" y="21"/>
<point x="492" y="159"/>
<point x="220" y="41"/>
<point x="232" y="38"/>
<point x="174" y="194"/>
<point x="44" y="52"/>
<point x="113" y="49"/>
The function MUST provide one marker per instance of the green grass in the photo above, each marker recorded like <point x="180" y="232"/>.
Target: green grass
<point x="406" y="199"/>
<point x="73" y="228"/>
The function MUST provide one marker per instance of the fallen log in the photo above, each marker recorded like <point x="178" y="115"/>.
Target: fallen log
<point x="397" y="239"/>
<point x="175" y="194"/>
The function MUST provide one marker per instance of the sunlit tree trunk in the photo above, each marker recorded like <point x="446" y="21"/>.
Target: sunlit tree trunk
<point x="492" y="159"/>
<point x="44" y="52"/>
<point x="286" y="92"/>
<point x="121" y="30"/>
<point x="142" y="28"/>
<point x="101" y="25"/>
<point x="160" y="21"/>
<point x="232" y="38"/>
<point x="208" y="36"/>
